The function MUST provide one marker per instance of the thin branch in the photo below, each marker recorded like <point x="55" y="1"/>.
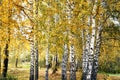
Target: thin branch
<point x="21" y="7"/>
<point x="27" y="16"/>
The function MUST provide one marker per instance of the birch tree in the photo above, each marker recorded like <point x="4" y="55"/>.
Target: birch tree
<point x="97" y="53"/>
<point x="66" y="49"/>
<point x="0" y="60"/>
<point x="34" y="41"/>
<point x="30" y="11"/>
<point x="72" y="63"/>
<point x="102" y="19"/>
<point x="0" y="50"/>
<point x="64" y="62"/>
<point x="6" y="49"/>
<point x="70" y="7"/>
<point x="97" y="20"/>
<point x="47" y="53"/>
<point x="92" y="42"/>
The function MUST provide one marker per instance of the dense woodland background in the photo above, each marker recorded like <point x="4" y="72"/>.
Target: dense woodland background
<point x="59" y="39"/>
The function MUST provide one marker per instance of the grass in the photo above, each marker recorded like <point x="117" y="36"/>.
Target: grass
<point x="22" y="73"/>
<point x="9" y="77"/>
<point x="117" y="75"/>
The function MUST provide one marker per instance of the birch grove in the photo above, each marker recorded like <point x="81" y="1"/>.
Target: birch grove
<point x="63" y="39"/>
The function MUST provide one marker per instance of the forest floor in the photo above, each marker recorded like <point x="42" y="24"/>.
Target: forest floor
<point x="22" y="73"/>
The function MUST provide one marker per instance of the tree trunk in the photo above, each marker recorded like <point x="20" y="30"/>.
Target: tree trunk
<point x="0" y="60"/>
<point x="72" y="63"/>
<point x="97" y="52"/>
<point x="32" y="61"/>
<point x="47" y="63"/>
<point x="46" y="75"/>
<point x="64" y="63"/>
<point x="92" y="42"/>
<point x="86" y="47"/>
<point x="5" y="61"/>
<point x="32" y="46"/>
<point x="55" y="64"/>
<point x="98" y="44"/>
<point x="16" y="63"/>
<point x="36" y="40"/>
<point x="36" y="62"/>
<point x="91" y="53"/>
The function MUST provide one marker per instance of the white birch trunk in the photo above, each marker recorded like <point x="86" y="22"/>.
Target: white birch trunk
<point x="33" y="42"/>
<point x="36" y="41"/>
<point x="92" y="42"/>
<point x="55" y="63"/>
<point x="32" y="69"/>
<point x="90" y="55"/>
<point x="97" y="52"/>
<point x="36" y="61"/>
<point x="86" y="48"/>
<point x="64" y="63"/>
<point x="47" y="52"/>
<point x="0" y="60"/>
<point x="69" y="12"/>
<point x="47" y="64"/>
<point x="98" y="44"/>
<point x="32" y="61"/>
<point x="72" y="63"/>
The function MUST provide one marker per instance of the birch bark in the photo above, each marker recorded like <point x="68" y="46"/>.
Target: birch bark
<point x="64" y="62"/>
<point x="85" y="57"/>
<point x="90" y="44"/>
<point x="47" y="64"/>
<point x="97" y="52"/>
<point x="36" y="40"/>
<point x="0" y="60"/>
<point x="32" y="61"/>
<point x="72" y="63"/>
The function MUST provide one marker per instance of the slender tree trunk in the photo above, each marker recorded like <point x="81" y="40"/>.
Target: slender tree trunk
<point x="5" y="61"/>
<point x="55" y="64"/>
<point x="0" y="49"/>
<point x="83" y="56"/>
<point x="32" y="61"/>
<point x="91" y="53"/>
<point x="86" y="47"/>
<point x="36" y="41"/>
<point x="6" y="54"/>
<point x="92" y="42"/>
<point x="36" y="62"/>
<point x="97" y="52"/>
<point x="64" y="62"/>
<point x="69" y="11"/>
<point x="47" y="63"/>
<point x="98" y="44"/>
<point x="72" y="63"/>
<point x="77" y="65"/>
<point x="0" y="60"/>
<point x="16" y="63"/>
<point x="47" y="52"/>
<point x="6" y="51"/>
<point x="32" y="46"/>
